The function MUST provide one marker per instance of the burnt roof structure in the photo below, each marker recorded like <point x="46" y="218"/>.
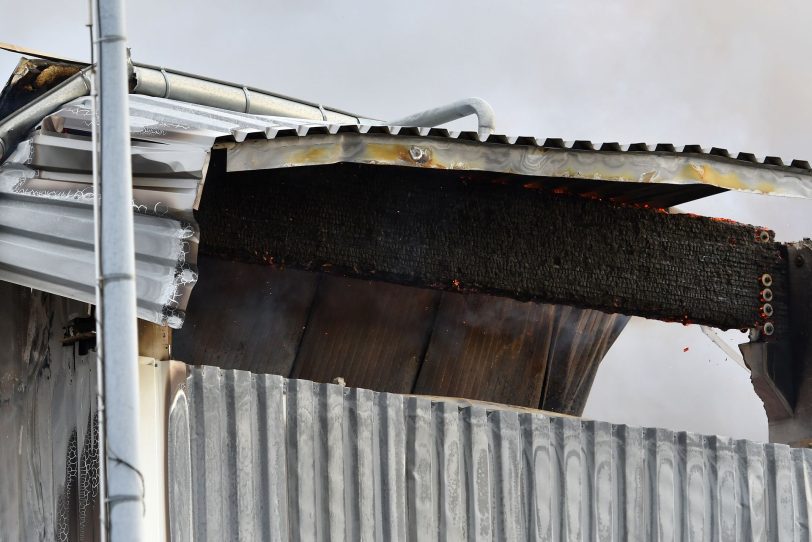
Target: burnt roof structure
<point x="315" y="188"/>
<point x="287" y="238"/>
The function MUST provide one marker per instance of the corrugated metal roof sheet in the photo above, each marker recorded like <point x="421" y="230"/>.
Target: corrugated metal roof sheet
<point x="262" y="457"/>
<point x="46" y="190"/>
<point x="46" y="213"/>
<point x="46" y="237"/>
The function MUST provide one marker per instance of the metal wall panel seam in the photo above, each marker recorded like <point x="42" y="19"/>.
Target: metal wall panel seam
<point x="179" y="467"/>
<point x="271" y="440"/>
<point x="477" y="462"/>
<point x="365" y="452"/>
<point x="420" y="469"/>
<point x="390" y="409"/>
<point x="802" y="466"/>
<point x="333" y="421"/>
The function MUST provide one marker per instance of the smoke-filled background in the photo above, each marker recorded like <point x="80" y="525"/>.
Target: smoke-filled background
<point x="726" y="73"/>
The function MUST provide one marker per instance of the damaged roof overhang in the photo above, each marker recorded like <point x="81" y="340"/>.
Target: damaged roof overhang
<point x="46" y="190"/>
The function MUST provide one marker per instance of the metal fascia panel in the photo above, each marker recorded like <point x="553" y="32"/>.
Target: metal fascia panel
<point x="275" y="459"/>
<point x="537" y="160"/>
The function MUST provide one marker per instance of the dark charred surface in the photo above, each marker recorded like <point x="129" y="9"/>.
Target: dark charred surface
<point x="371" y="334"/>
<point x="247" y="317"/>
<point x="781" y="369"/>
<point x="389" y="337"/>
<point x="581" y="338"/>
<point x="31" y="79"/>
<point x="467" y="231"/>
<point x="526" y="354"/>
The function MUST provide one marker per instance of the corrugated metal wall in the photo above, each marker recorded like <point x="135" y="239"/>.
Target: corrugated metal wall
<point x="260" y="457"/>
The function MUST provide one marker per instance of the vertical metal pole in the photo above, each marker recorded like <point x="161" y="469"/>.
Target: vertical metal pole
<point x="117" y="333"/>
<point x="94" y="133"/>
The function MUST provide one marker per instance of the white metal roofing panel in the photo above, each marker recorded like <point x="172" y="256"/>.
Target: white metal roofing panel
<point x="46" y="213"/>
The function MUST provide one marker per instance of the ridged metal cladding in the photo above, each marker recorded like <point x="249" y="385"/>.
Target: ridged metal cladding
<point x="258" y="457"/>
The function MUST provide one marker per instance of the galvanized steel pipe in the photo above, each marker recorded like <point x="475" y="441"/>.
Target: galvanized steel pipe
<point x="118" y="337"/>
<point x="169" y="84"/>
<point x="174" y="85"/>
<point x="453" y="111"/>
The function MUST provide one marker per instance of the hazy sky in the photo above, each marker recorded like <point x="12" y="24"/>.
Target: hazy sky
<point x="724" y="73"/>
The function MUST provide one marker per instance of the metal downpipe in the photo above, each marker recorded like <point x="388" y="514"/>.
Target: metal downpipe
<point x="116" y="303"/>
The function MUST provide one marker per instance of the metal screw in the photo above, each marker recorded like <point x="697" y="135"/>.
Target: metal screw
<point x="766" y="279"/>
<point x="769" y="328"/>
<point x="418" y="154"/>
<point x="764" y="236"/>
<point x="799" y="261"/>
<point x="766" y="294"/>
<point x="767" y="310"/>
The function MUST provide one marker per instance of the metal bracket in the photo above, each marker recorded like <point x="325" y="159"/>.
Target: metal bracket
<point x="781" y="370"/>
<point x="81" y="331"/>
<point x="768" y="363"/>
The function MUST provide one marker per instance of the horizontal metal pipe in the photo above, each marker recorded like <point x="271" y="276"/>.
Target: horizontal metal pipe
<point x="151" y="81"/>
<point x="453" y="111"/>
<point x="164" y="83"/>
<point x="17" y="125"/>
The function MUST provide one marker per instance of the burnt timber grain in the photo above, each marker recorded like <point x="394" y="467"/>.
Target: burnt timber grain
<point x="469" y="231"/>
<point x="580" y="340"/>
<point x="488" y="348"/>
<point x="371" y="334"/>
<point x="389" y="337"/>
<point x="248" y="317"/>
<point x="524" y="354"/>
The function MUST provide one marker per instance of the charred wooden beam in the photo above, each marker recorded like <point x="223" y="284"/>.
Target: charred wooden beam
<point x="471" y="231"/>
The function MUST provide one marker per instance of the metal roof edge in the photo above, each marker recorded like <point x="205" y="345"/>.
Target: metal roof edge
<point x="204" y="91"/>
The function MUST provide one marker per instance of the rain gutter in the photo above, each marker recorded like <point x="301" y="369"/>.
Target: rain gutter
<point x="174" y="85"/>
<point x="189" y="88"/>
